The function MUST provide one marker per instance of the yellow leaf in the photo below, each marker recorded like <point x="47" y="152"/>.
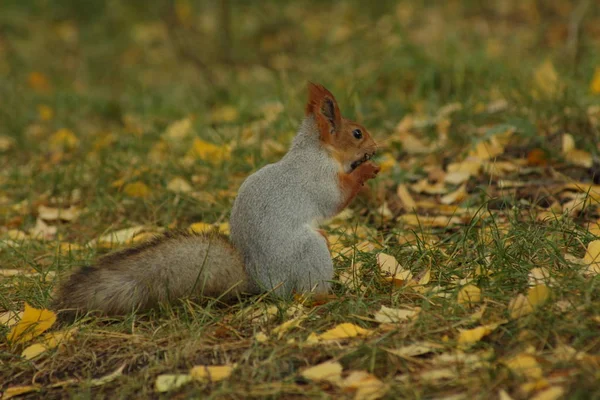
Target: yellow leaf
<point x="366" y="385"/>
<point x="344" y="331"/>
<point x="455" y="197"/>
<point x="260" y="337"/>
<point x="14" y="391"/>
<point x="537" y="295"/>
<point x="545" y="79"/>
<point x="568" y="143"/>
<point x="519" y="307"/>
<point x="429" y="221"/>
<point x="63" y="139"/>
<point x="386" y="162"/>
<point x="211" y="373"/>
<point x="525" y="365"/>
<point x="425" y="278"/>
<point x="329" y="371"/>
<point x="58" y="214"/>
<point x="179" y="129"/>
<point x="179" y="185"/>
<point x="461" y="172"/>
<point x="280" y="330"/>
<point x="167" y="382"/>
<point x="210" y="152"/>
<point x="581" y="158"/>
<point x="45" y="112"/>
<point x="6" y="143"/>
<point x="468" y="337"/>
<point x="108" y="378"/>
<point x="415" y="349"/>
<point x="34" y="323"/>
<point x="200" y="227"/>
<point x="225" y="113"/>
<point x="122" y="236"/>
<point x="33" y="351"/>
<point x="595" y="83"/>
<point x="469" y="294"/>
<point x="137" y="189"/>
<point x="10" y="318"/>
<point x="389" y="264"/>
<point x="423" y="186"/>
<point x="405" y="197"/>
<point x="395" y="315"/>
<point x="552" y="393"/>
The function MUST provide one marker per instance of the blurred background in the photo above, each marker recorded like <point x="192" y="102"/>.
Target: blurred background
<point x="88" y="82"/>
<point x="106" y="60"/>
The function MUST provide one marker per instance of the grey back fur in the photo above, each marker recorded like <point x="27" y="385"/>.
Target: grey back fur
<point x="276" y="213"/>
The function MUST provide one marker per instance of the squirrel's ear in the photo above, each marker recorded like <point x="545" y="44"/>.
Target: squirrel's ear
<point x="324" y="107"/>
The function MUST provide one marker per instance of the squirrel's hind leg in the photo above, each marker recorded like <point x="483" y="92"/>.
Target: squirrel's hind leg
<point x="314" y="268"/>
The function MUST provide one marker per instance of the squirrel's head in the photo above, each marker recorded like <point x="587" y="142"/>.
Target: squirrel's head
<point x="347" y="141"/>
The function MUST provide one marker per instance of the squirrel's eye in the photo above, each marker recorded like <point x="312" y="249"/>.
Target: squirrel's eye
<point x="357" y="133"/>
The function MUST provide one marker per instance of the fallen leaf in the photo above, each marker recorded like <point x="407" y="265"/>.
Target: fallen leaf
<point x="58" y="214"/>
<point x="468" y="337"/>
<point x="211" y="373"/>
<point x="179" y="185"/>
<point x="429" y="221"/>
<point x="592" y="258"/>
<point x="14" y="391"/>
<point x="122" y="236"/>
<point x="395" y="315"/>
<point x="329" y="371"/>
<point x="581" y="158"/>
<point x="63" y="139"/>
<point x="595" y="82"/>
<point x="469" y="295"/>
<point x="519" y="307"/>
<point x="179" y="129"/>
<point x="10" y="318"/>
<point x="386" y="162"/>
<point x="137" y="189"/>
<point x="423" y="186"/>
<point x="455" y="197"/>
<point x="390" y="266"/>
<point x="502" y="395"/>
<point x="537" y="295"/>
<point x="525" y="365"/>
<point x="405" y="197"/>
<point x="34" y="323"/>
<point x="45" y="112"/>
<point x="415" y="349"/>
<point x="168" y="382"/>
<point x="344" y="331"/>
<point x="103" y="380"/>
<point x="209" y="152"/>
<point x="42" y="230"/>
<point x="367" y="386"/>
<point x="280" y="330"/>
<point x="540" y="276"/>
<point x="546" y="81"/>
<point x="260" y="337"/>
<point x="224" y="113"/>
<point x="552" y="393"/>
<point x="33" y="351"/>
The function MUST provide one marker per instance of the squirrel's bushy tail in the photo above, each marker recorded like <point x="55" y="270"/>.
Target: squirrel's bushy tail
<point x="169" y="267"/>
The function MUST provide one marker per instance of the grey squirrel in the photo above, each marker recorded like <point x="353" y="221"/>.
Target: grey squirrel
<point x="275" y="241"/>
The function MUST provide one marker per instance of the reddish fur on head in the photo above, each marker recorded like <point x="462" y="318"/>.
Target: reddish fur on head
<point x="336" y="132"/>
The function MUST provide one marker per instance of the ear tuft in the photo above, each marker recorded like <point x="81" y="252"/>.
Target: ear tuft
<point x="322" y="104"/>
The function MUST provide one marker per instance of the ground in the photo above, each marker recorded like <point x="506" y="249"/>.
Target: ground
<point x="467" y="269"/>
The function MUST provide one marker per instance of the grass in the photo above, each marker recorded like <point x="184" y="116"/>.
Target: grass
<point x="119" y="75"/>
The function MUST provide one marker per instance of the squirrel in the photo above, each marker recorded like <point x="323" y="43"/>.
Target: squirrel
<point x="275" y="243"/>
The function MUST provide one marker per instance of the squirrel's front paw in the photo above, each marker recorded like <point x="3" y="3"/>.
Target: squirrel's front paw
<point x="368" y="170"/>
